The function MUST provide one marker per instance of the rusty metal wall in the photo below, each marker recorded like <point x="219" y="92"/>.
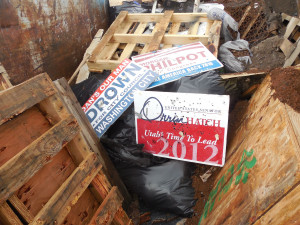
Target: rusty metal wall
<point x="47" y="35"/>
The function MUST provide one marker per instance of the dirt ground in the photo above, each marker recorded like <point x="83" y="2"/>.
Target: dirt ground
<point x="287" y="81"/>
<point x="267" y="55"/>
<point x="286" y="6"/>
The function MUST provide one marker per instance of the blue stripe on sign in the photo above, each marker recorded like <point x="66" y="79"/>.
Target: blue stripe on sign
<point x="192" y="70"/>
<point x="136" y="86"/>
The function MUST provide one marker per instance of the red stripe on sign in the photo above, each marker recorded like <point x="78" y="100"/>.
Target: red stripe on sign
<point x="105" y="84"/>
<point x="167" y="53"/>
<point x="188" y="142"/>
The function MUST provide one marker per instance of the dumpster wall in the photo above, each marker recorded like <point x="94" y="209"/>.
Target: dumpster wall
<point x="47" y="36"/>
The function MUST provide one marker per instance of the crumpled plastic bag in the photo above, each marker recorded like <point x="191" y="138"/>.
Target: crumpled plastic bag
<point x="216" y="13"/>
<point x="231" y="63"/>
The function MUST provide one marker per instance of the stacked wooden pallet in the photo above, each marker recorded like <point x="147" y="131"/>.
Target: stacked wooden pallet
<point x="48" y="171"/>
<point x="291" y="43"/>
<point x="126" y="36"/>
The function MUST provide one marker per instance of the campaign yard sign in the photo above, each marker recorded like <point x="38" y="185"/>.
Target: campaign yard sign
<point x="173" y="63"/>
<point x="115" y="94"/>
<point x="189" y="127"/>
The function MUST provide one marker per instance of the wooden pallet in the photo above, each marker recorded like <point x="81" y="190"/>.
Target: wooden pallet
<point x="260" y="182"/>
<point x="291" y="42"/>
<point x="126" y="34"/>
<point x="48" y="172"/>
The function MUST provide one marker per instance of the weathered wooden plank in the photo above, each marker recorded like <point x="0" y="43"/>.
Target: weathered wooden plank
<point x="291" y="27"/>
<point x="32" y="121"/>
<point x="87" y="54"/>
<point x="287" y="47"/>
<point x="19" y="169"/>
<point x="264" y="167"/>
<point x="250" y="25"/>
<point x="130" y="47"/>
<point x="168" y="39"/>
<point x="34" y="194"/>
<point x="108" y="35"/>
<point x="214" y="37"/>
<point x="121" y="218"/>
<point x="243" y="74"/>
<point x="7" y="216"/>
<point x="21" y="208"/>
<point x="84" y="210"/>
<point x="90" y="136"/>
<point x="293" y="56"/>
<point x="173" y="30"/>
<point x="16" y="100"/>
<point x="4" y="79"/>
<point x="108" y="208"/>
<point x="245" y="15"/>
<point x="176" y="18"/>
<point x="58" y="207"/>
<point x="159" y="33"/>
<point x="286" y="211"/>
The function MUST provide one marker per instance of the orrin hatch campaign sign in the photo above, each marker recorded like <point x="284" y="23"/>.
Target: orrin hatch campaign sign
<point x="115" y="94"/>
<point x="189" y="127"/>
<point x="173" y="63"/>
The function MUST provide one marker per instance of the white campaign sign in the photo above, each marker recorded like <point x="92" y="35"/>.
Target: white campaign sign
<point x="173" y="63"/>
<point x="189" y="127"/>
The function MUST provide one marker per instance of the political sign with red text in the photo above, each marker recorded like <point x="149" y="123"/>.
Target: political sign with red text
<point x="189" y="127"/>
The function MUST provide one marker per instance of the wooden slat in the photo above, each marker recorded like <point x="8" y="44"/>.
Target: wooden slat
<point x="293" y="56"/>
<point x="58" y="207"/>
<point x="176" y="18"/>
<point x="285" y="16"/>
<point x="173" y="30"/>
<point x="291" y="27"/>
<point x="4" y="79"/>
<point x="108" y="35"/>
<point x="214" y="37"/>
<point x="243" y="74"/>
<point x="87" y="54"/>
<point x="110" y="49"/>
<point x="108" y="208"/>
<point x="16" y="100"/>
<point x="250" y="25"/>
<point x="19" y="169"/>
<point x="168" y="39"/>
<point x="194" y="27"/>
<point x="245" y="15"/>
<point x="287" y="47"/>
<point x="290" y="215"/>
<point x="158" y="34"/>
<point x="7" y="216"/>
<point x="90" y="136"/>
<point x="21" y="208"/>
<point x="130" y="47"/>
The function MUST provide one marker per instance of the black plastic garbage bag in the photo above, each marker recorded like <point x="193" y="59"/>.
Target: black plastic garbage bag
<point x="165" y="186"/>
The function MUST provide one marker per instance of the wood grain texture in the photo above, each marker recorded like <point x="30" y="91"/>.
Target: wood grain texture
<point x="7" y="216"/>
<point x="34" y="194"/>
<point x="21" y="208"/>
<point x="108" y="35"/>
<point x="90" y="136"/>
<point x="4" y="79"/>
<point x="266" y="128"/>
<point x="32" y="121"/>
<point x="19" y="169"/>
<point x="108" y="208"/>
<point x="16" y="100"/>
<point x="60" y="204"/>
<point x="83" y="211"/>
<point x="159" y="33"/>
<point x="286" y="211"/>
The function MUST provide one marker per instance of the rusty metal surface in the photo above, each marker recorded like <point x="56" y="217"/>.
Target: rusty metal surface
<point x="47" y="35"/>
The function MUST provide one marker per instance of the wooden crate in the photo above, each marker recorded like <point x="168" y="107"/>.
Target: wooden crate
<point x="126" y="33"/>
<point x="260" y="182"/>
<point x="48" y="172"/>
